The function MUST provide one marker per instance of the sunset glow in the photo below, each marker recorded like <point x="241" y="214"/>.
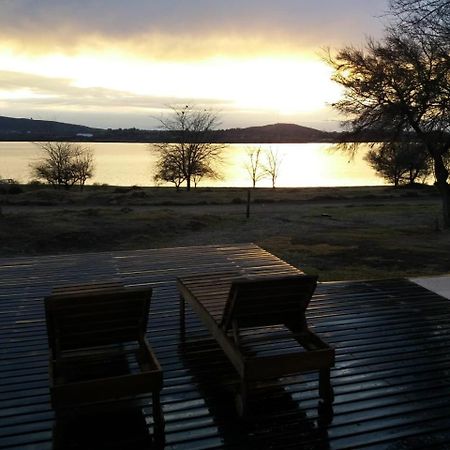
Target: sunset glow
<point x="265" y="70"/>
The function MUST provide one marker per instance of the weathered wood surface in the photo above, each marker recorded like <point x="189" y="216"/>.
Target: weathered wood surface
<point x="259" y="322"/>
<point x="391" y="380"/>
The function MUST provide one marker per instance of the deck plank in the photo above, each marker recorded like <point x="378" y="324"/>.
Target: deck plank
<point x="392" y="340"/>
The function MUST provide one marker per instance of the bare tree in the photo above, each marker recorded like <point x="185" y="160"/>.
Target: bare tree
<point x="272" y="164"/>
<point x="83" y="166"/>
<point x="64" y="164"/>
<point x="400" y="84"/>
<point x="189" y="152"/>
<point x="254" y="165"/>
<point x="427" y="17"/>
<point x="169" y="170"/>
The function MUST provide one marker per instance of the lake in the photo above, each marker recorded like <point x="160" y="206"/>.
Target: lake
<point x="126" y="164"/>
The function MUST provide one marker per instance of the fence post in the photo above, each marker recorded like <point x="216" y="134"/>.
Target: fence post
<point x="248" y="204"/>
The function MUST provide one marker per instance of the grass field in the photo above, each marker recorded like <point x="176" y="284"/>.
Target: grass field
<point x="338" y="233"/>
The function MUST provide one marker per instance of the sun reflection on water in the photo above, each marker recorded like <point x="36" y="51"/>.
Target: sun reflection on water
<point x="126" y="164"/>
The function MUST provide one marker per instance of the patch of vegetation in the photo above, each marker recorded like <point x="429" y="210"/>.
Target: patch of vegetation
<point x="99" y="195"/>
<point x="340" y="239"/>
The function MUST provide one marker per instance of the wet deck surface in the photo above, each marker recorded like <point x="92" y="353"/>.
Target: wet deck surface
<point x="392" y="375"/>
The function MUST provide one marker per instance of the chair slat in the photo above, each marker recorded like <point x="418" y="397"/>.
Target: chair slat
<point x="268" y="301"/>
<point x="89" y="318"/>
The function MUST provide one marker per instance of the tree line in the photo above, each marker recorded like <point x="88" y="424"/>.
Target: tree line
<point x="189" y="155"/>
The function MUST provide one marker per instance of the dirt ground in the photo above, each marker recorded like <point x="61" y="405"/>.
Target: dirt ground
<point x="338" y="233"/>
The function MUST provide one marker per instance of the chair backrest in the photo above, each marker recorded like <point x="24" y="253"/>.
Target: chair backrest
<point x="269" y="301"/>
<point x="93" y="317"/>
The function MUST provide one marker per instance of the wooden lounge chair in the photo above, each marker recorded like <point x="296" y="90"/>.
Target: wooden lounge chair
<point x="98" y="349"/>
<point x="260" y="324"/>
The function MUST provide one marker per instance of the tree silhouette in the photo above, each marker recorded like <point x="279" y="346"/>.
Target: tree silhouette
<point x="272" y="164"/>
<point x="400" y="162"/>
<point x="397" y="85"/>
<point x="64" y="164"/>
<point x="426" y="17"/>
<point x="189" y="152"/>
<point x="254" y="165"/>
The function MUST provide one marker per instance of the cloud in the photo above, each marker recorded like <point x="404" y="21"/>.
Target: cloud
<point x="172" y="28"/>
<point x="64" y="59"/>
<point x="40" y="93"/>
<point x="57" y="99"/>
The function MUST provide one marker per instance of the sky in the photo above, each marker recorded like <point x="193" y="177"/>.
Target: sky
<point x="121" y="64"/>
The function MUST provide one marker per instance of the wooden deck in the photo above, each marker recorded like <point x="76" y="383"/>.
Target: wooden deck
<point x="392" y="375"/>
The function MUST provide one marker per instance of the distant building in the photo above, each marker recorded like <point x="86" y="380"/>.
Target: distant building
<point x="86" y="135"/>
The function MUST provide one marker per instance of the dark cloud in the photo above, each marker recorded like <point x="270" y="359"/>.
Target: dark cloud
<point x="63" y="23"/>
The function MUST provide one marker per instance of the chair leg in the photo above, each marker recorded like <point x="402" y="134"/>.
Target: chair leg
<point x="158" y="419"/>
<point x="326" y="392"/>
<point x="241" y="400"/>
<point x="182" y="315"/>
<point x="57" y="441"/>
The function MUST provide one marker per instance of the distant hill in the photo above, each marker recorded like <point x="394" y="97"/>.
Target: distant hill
<point x="42" y="130"/>
<point x="280" y="132"/>
<point x="16" y="128"/>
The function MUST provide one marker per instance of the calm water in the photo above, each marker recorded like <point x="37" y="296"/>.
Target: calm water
<point x="124" y="164"/>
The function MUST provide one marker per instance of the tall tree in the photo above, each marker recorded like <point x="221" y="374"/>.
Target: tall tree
<point x="189" y="152"/>
<point x="395" y="85"/>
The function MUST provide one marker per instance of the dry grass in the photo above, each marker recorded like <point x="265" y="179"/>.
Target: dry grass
<point x="345" y="233"/>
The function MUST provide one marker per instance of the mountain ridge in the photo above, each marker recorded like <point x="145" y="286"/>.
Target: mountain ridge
<point x="22" y="129"/>
<point x="20" y="125"/>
